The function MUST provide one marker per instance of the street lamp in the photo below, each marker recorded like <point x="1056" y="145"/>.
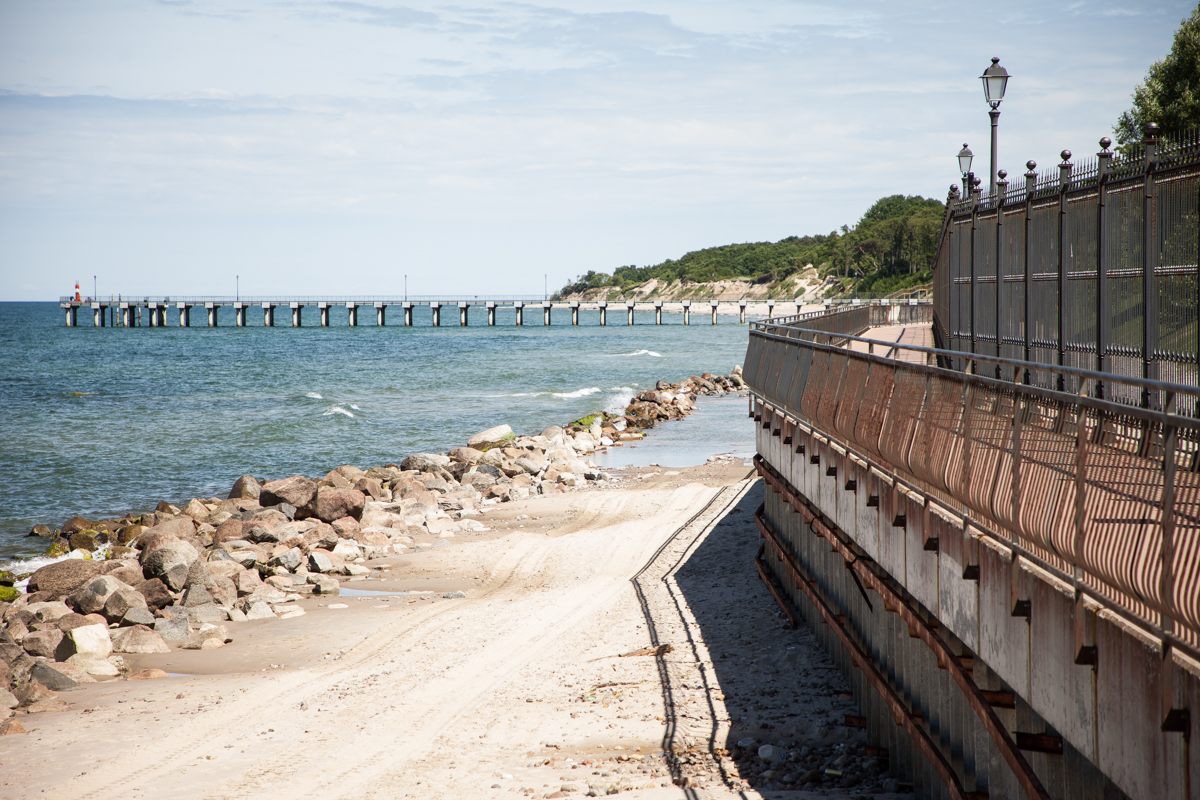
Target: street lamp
<point x="964" y="166"/>
<point x="995" y="81"/>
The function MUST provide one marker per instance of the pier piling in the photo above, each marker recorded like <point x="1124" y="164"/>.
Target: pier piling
<point x="408" y="307"/>
<point x="436" y="308"/>
<point x="239" y="315"/>
<point x="714" y="311"/>
<point x="185" y="317"/>
<point x="574" y="313"/>
<point x="212" y="309"/>
<point x="97" y="316"/>
<point x="352" y="313"/>
<point x="770" y="309"/>
<point x="687" y="307"/>
<point x="658" y="312"/>
<point x="380" y="308"/>
<point x="546" y="313"/>
<point x="629" y="313"/>
<point x="296" y="309"/>
<point x="742" y="312"/>
<point x="491" y="309"/>
<point x="324" y="309"/>
<point x="268" y="315"/>
<point x="520" y="308"/>
<point x="462" y="314"/>
<point x="603" y="314"/>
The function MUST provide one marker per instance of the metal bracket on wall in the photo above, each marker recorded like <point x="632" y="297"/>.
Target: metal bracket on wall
<point x="959" y="667"/>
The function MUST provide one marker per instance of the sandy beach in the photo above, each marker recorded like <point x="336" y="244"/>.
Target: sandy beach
<point x="522" y="686"/>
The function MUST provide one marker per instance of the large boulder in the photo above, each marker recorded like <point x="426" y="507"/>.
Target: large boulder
<point x="181" y="527"/>
<point x="246" y="487"/>
<point x="42" y="643"/>
<point x="430" y="463"/>
<point x="90" y="640"/>
<point x="171" y="563"/>
<point x="466" y="455"/>
<point x="337" y="503"/>
<point x="76" y="524"/>
<point x="138" y="639"/>
<point x="296" y="491"/>
<point x="156" y="593"/>
<point x="369" y="486"/>
<point x="48" y="610"/>
<point x="491" y="435"/>
<point x="63" y="577"/>
<point x="94" y="595"/>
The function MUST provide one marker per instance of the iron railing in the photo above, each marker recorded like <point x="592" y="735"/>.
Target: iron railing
<point x="1090" y="265"/>
<point x="305" y="299"/>
<point x="1104" y="493"/>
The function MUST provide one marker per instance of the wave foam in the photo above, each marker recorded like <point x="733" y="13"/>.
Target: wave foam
<point x="314" y="396"/>
<point x="337" y="410"/>
<point x="650" y="353"/>
<point x="577" y="393"/>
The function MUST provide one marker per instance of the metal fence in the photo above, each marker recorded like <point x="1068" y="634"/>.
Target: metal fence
<point x="1104" y="493"/>
<point x="853" y="320"/>
<point x="1091" y="265"/>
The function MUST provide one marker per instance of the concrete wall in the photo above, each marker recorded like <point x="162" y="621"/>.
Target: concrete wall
<point x="1108" y="712"/>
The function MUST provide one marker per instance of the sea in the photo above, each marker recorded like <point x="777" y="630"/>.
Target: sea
<point x="100" y="422"/>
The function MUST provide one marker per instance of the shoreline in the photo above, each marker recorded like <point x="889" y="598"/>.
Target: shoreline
<point x="181" y="576"/>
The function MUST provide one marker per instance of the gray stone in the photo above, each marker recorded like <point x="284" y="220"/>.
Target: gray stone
<point x="48" y="675"/>
<point x="289" y="559"/>
<point x="123" y="601"/>
<point x="139" y="639"/>
<point x="454" y="595"/>
<point x="8" y="699"/>
<point x="195" y="595"/>
<point x="93" y="595"/>
<point x="237" y="615"/>
<point x="256" y="609"/>
<point x="63" y="577"/>
<point x="198" y="574"/>
<point x="176" y="629"/>
<point x="246" y="486"/>
<point x="136" y="616"/>
<point x="207" y="613"/>
<point x="325" y="585"/>
<point x="171" y="563"/>
<point x="319" y="561"/>
<point x="90" y="640"/>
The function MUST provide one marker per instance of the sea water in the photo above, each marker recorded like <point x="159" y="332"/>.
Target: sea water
<point x="103" y="421"/>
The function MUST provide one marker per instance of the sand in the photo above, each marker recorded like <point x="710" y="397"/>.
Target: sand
<point x="515" y="690"/>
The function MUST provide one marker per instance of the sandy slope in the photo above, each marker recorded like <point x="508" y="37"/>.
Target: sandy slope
<point x="513" y="687"/>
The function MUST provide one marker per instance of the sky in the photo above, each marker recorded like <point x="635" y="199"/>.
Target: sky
<point x="355" y="148"/>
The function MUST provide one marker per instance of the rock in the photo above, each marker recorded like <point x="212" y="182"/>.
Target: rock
<point x="230" y="529"/>
<point x="256" y="609"/>
<point x="147" y="675"/>
<point x="48" y="675"/>
<point x="94" y="665"/>
<point x="346" y="527"/>
<point x="431" y="463"/>
<point x="369" y="487"/>
<point x="466" y="455"/>
<point x="196" y="510"/>
<point x="202" y="644"/>
<point x="177" y="527"/>
<point x="289" y="559"/>
<point x="136" y="616"/>
<point x="246" y="486"/>
<point x="63" y="577"/>
<point x="320" y="561"/>
<point x="354" y="570"/>
<point x="223" y="592"/>
<point x="8" y="699"/>
<point x="332" y="504"/>
<point x="490" y="435"/>
<point x="335" y="480"/>
<point x="91" y="640"/>
<point x="42" y="643"/>
<point x="48" y="611"/>
<point x="82" y="540"/>
<point x="72" y="621"/>
<point x="246" y="582"/>
<point x="93" y="595"/>
<point x="76" y="524"/>
<point x="11" y="727"/>
<point x="176" y="629"/>
<point x="236" y="615"/>
<point x="121" y="602"/>
<point x="208" y="613"/>
<point x="296" y="491"/>
<point x="171" y="562"/>
<point x="156" y="593"/>
<point x="43" y="531"/>
<point x="196" y="595"/>
<point x="291" y="611"/>
<point x="454" y="595"/>
<point x="223" y="569"/>
<point x="325" y="585"/>
<point x="772" y="754"/>
<point x="129" y="574"/>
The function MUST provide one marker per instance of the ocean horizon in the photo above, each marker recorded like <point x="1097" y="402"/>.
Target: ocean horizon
<point x="103" y="421"/>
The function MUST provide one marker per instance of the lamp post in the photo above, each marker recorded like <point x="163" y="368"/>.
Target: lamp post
<point x="995" y="81"/>
<point x="964" y="166"/>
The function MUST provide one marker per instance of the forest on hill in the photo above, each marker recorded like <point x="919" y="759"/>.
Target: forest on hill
<point x="891" y="248"/>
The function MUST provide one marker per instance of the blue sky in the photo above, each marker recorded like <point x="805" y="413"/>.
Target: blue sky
<point x="335" y="147"/>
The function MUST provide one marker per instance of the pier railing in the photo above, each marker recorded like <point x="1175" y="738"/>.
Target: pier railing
<point x="1103" y="494"/>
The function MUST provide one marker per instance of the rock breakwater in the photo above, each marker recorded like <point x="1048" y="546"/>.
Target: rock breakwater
<point x="184" y="576"/>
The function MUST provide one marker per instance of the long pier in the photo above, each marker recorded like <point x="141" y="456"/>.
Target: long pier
<point x="161" y="312"/>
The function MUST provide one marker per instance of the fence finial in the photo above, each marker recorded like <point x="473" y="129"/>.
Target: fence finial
<point x="1064" y="169"/>
<point x="1030" y="177"/>
<point x="1150" y="142"/>
<point x="1103" y="157"/>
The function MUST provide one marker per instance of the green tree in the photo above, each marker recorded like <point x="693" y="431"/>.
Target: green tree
<point x="1170" y="95"/>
